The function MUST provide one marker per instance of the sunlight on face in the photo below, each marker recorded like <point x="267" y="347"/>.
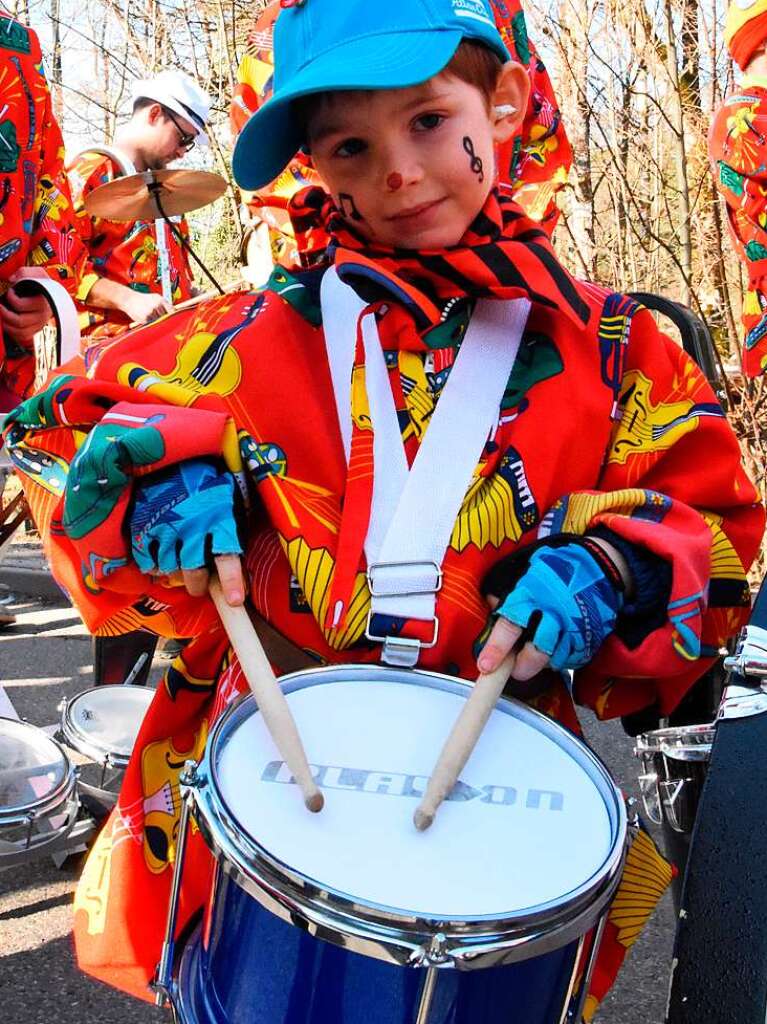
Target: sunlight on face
<point x="407" y="167"/>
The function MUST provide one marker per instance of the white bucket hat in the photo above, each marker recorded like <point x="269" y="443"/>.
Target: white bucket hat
<point x="179" y="93"/>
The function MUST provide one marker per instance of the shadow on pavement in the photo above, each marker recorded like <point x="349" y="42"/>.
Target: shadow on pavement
<point x="43" y="984"/>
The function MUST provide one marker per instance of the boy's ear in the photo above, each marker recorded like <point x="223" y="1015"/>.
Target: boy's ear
<point x="509" y="101"/>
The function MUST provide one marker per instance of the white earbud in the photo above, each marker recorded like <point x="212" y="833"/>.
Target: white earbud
<point x="503" y="110"/>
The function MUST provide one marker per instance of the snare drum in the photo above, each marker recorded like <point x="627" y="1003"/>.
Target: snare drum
<point x="101" y="725"/>
<point x="38" y="797"/>
<point x="674" y="765"/>
<point x="351" y="915"/>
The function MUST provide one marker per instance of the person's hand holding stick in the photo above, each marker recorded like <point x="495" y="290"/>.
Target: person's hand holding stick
<point x="264" y="686"/>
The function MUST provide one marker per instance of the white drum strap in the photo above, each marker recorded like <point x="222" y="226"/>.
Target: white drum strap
<point x="64" y="313"/>
<point x="123" y="161"/>
<point x="405" y="544"/>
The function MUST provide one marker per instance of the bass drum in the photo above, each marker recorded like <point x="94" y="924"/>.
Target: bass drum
<point x="720" y="955"/>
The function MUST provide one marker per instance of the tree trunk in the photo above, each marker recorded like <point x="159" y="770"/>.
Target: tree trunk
<point x="675" y="111"/>
<point x="575" y="22"/>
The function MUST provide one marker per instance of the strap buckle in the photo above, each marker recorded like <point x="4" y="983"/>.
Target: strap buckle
<point x="402" y="651"/>
<point x="410" y="580"/>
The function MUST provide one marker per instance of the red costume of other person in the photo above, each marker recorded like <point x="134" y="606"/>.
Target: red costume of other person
<point x="737" y="146"/>
<point x="36" y="214"/>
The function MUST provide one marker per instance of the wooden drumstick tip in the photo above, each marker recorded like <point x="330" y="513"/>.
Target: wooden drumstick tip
<point x="314" y="802"/>
<point x="422" y="819"/>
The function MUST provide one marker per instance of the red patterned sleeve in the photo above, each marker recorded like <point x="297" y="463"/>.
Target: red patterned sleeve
<point x="672" y="483"/>
<point x="55" y="243"/>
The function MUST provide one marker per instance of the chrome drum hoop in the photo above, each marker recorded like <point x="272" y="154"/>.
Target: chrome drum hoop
<point x="379" y="931"/>
<point x="674" y="764"/>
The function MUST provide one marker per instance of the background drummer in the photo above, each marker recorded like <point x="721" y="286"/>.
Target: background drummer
<point x="122" y="282"/>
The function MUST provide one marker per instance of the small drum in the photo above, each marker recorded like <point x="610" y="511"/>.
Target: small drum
<point x="492" y="916"/>
<point x="674" y="765"/>
<point x="38" y="798"/>
<point x="101" y="725"/>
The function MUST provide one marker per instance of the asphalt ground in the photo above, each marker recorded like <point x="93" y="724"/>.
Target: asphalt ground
<point x="47" y="656"/>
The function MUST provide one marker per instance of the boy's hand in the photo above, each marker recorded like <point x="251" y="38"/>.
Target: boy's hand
<point x="567" y="605"/>
<point x="230" y="576"/>
<point x="182" y="520"/>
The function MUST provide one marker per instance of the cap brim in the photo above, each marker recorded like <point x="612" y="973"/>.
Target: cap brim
<point x="271" y="136"/>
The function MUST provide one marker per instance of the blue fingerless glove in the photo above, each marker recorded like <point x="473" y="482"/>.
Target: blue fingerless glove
<point x="569" y="600"/>
<point x="182" y="516"/>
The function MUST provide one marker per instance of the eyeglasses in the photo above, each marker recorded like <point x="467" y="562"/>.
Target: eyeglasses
<point x="185" y="140"/>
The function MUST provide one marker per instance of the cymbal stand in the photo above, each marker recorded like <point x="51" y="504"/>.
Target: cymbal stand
<point x="154" y="188"/>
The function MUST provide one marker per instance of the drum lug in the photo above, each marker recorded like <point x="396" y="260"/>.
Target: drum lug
<point x="31" y="818"/>
<point x="190" y="778"/>
<point x="632" y="817"/>
<point x="750" y="658"/>
<point x="435" y="954"/>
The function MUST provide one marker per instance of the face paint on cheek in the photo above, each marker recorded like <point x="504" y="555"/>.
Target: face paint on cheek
<point x="348" y="206"/>
<point x="474" y="161"/>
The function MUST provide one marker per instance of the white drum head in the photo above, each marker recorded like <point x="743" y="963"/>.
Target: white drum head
<point x="528" y="825"/>
<point x="32" y="767"/>
<point x="105" y="720"/>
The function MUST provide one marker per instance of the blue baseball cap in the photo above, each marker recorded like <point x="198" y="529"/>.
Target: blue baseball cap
<point x="326" y="45"/>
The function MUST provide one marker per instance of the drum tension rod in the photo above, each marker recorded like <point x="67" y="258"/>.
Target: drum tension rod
<point x="163" y="980"/>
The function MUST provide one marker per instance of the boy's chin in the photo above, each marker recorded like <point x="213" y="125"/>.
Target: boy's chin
<point x="441" y="237"/>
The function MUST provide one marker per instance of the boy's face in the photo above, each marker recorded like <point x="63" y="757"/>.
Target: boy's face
<point x="412" y="167"/>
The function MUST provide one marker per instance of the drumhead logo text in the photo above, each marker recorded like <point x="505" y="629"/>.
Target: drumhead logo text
<point x="364" y="780"/>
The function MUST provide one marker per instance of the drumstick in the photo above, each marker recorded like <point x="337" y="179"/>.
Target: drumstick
<point x="463" y="737"/>
<point x="265" y="688"/>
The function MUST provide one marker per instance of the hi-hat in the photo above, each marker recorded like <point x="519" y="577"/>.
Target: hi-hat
<point x="133" y="197"/>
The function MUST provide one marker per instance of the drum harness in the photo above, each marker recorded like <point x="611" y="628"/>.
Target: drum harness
<point x="404" y="548"/>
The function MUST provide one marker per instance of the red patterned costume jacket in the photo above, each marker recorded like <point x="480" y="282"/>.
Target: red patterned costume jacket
<point x="738" y="153"/>
<point x="36" y="214"/>
<point x="604" y="421"/>
<point x="123" y="252"/>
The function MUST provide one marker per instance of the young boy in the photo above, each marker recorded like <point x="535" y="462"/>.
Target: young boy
<point x="604" y="512"/>
<point x="534" y="162"/>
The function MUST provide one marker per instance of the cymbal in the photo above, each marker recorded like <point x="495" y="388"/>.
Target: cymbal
<point x="133" y="197"/>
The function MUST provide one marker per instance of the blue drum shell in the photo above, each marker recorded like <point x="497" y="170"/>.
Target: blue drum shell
<point x="246" y="966"/>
